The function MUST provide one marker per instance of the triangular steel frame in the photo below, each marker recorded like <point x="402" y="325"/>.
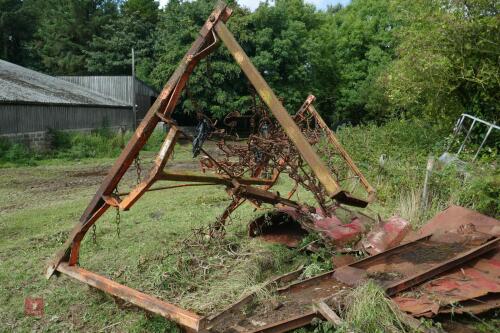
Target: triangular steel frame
<point x="214" y="30"/>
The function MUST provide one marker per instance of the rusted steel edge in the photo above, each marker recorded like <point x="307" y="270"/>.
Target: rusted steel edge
<point x="329" y="274"/>
<point x="216" y="179"/>
<point x="288" y="324"/>
<point x="368" y="260"/>
<point x="164" y="154"/>
<point x="306" y="283"/>
<point x="289" y="126"/>
<point x="216" y="318"/>
<point x="253" y="193"/>
<point x="169" y="311"/>
<point x="441" y="268"/>
<point x="169" y="187"/>
<point x="345" y="155"/>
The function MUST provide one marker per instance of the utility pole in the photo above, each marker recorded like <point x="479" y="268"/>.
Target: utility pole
<point x="134" y="110"/>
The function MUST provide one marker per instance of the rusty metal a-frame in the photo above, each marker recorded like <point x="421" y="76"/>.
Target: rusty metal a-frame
<point x="213" y="31"/>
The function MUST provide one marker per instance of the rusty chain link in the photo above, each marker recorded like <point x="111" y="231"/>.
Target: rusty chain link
<point x="118" y="216"/>
<point x="138" y="169"/>
<point x="118" y="221"/>
<point x="94" y="236"/>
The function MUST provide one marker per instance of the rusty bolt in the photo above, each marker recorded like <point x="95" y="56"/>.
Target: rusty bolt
<point x="212" y="18"/>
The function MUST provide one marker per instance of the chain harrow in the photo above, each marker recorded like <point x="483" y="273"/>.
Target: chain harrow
<point x="118" y="221"/>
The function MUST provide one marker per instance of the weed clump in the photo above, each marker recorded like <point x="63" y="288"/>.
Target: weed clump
<point x="369" y="310"/>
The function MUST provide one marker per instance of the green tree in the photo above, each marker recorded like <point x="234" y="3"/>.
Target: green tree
<point x="110" y="51"/>
<point x="145" y="10"/>
<point x="17" y="25"/>
<point x="283" y="50"/>
<point x="214" y="86"/>
<point x="449" y="59"/>
<point x="65" y="30"/>
<point x="356" y="45"/>
<point x="275" y="37"/>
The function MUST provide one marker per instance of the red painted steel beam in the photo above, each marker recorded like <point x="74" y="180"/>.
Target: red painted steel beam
<point x="166" y="151"/>
<point x="169" y="311"/>
<point x="164" y="105"/>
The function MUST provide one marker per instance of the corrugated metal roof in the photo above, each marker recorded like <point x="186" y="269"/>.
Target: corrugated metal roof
<point x="20" y="84"/>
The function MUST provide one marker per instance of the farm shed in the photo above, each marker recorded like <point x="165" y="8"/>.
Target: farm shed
<point x="32" y="102"/>
<point x="119" y="88"/>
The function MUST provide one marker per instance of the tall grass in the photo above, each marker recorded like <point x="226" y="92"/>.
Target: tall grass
<point x="217" y="272"/>
<point x="406" y="146"/>
<point x="15" y="154"/>
<point x="409" y="207"/>
<point x="369" y="310"/>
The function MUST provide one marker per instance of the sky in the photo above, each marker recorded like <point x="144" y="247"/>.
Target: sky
<point x="252" y="4"/>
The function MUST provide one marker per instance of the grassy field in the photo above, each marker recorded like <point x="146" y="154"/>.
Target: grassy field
<point x="40" y="204"/>
<point x="159" y="250"/>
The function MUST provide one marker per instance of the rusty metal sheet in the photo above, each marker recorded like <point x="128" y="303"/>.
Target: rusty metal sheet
<point x="475" y="306"/>
<point x="455" y="216"/>
<point x="407" y="265"/>
<point x="420" y="260"/>
<point x="463" y="286"/>
<point x="342" y="233"/>
<point x="421" y="307"/>
<point x="343" y="260"/>
<point x="293" y="308"/>
<point x="425" y="307"/>
<point x="401" y="267"/>
<point x="474" y="287"/>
